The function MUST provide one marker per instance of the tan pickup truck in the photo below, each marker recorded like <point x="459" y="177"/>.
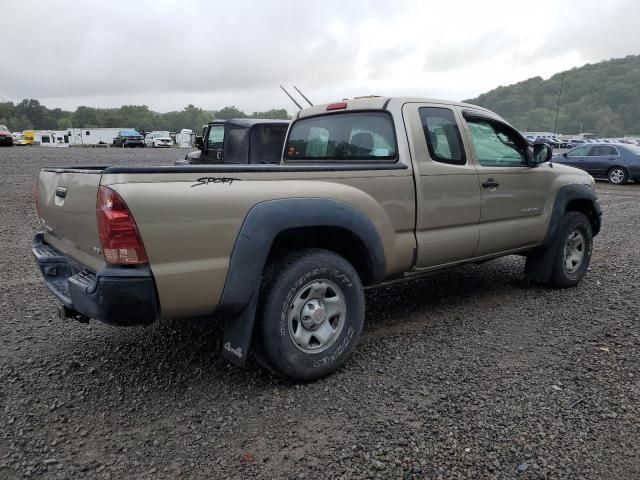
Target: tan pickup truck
<point x="369" y="190"/>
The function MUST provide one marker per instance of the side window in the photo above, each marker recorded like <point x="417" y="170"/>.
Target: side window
<point x="496" y="145"/>
<point x="442" y="135"/>
<point x="579" y="152"/>
<point x="604" y="151"/>
<point x="215" y="140"/>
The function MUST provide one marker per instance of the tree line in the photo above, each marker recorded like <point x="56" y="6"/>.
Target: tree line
<point x="30" y="114"/>
<point x="601" y="98"/>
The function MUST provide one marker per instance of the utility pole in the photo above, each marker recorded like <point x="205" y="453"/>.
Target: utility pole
<point x="555" y="125"/>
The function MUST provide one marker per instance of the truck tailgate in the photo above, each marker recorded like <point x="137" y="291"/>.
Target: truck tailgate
<point x="67" y="206"/>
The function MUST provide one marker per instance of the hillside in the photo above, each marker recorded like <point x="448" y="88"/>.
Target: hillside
<point x="602" y="98"/>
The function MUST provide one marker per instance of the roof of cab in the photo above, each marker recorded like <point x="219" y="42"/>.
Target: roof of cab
<point x="380" y="103"/>
<point x="249" y="122"/>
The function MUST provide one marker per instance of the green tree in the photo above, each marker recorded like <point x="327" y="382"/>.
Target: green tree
<point x="601" y="98"/>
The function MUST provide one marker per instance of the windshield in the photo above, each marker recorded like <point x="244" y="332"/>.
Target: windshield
<point x="161" y="134"/>
<point x="343" y="136"/>
<point x="129" y="133"/>
<point x="3" y="128"/>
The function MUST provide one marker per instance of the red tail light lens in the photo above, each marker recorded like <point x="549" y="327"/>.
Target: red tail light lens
<point x="119" y="236"/>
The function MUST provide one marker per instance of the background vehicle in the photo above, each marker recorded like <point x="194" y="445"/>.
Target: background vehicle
<point x="367" y="191"/>
<point x="158" y="139"/>
<point x="6" y="138"/>
<point x="237" y="141"/>
<point x="128" y="138"/>
<point x="618" y="163"/>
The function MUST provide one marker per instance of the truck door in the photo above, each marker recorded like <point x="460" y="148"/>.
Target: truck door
<point x="514" y="195"/>
<point x="448" y="193"/>
<point x="213" y="151"/>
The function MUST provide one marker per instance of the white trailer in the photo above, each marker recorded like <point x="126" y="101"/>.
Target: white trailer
<point x="94" y="136"/>
<point x="186" y="138"/>
<point x="52" y="138"/>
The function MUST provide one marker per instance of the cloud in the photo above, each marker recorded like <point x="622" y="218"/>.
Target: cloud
<point x="211" y="53"/>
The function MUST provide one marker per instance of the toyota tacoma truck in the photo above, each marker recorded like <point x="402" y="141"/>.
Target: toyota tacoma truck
<point x="367" y="191"/>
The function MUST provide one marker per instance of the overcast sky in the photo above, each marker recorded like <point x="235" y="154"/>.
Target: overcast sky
<point x="169" y="53"/>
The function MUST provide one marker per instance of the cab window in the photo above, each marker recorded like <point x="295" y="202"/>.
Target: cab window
<point x="356" y="136"/>
<point x="442" y="135"/>
<point x="496" y="145"/>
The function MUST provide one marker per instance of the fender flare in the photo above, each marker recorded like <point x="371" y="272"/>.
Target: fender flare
<point x="565" y="195"/>
<point x="540" y="262"/>
<point x="267" y="219"/>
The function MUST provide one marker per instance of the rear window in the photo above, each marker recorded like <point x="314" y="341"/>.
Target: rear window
<point x="358" y="136"/>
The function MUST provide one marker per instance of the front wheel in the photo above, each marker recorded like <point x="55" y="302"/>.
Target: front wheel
<point x="568" y="255"/>
<point x="618" y="176"/>
<point x="311" y="315"/>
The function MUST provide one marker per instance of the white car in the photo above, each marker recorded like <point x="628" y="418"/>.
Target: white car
<point x="158" y="139"/>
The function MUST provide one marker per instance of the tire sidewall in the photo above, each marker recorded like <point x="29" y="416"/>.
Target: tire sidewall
<point x="573" y="221"/>
<point x="283" y="355"/>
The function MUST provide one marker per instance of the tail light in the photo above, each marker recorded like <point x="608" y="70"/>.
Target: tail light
<point x="119" y="235"/>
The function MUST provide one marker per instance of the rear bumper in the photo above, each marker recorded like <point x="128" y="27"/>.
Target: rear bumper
<point x="118" y="296"/>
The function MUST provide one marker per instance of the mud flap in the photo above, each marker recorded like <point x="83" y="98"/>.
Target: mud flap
<point x="238" y="330"/>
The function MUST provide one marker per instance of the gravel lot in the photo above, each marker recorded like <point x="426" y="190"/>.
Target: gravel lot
<point x="466" y="374"/>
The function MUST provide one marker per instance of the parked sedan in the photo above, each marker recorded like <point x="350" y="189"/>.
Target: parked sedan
<point x="6" y="138"/>
<point x="128" y="138"/>
<point x="618" y="163"/>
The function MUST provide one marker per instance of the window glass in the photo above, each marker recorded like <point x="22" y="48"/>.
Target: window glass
<point x="236" y="145"/>
<point x="215" y="140"/>
<point x="579" y="152"/>
<point x="603" y="151"/>
<point x="496" y="145"/>
<point x="343" y="136"/>
<point x="271" y="141"/>
<point x="442" y="135"/>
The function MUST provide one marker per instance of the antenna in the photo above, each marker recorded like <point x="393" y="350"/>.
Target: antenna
<point x="302" y="95"/>
<point x="555" y="125"/>
<point x="292" y="99"/>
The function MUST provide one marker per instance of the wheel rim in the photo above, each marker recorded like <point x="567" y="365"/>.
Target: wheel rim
<point x="616" y="175"/>
<point x="574" y="250"/>
<point x="317" y="316"/>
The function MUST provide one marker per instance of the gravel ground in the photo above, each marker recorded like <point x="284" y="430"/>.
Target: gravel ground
<point x="466" y="374"/>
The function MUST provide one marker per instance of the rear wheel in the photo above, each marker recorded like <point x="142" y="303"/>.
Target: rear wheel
<point x="618" y="176"/>
<point x="310" y="314"/>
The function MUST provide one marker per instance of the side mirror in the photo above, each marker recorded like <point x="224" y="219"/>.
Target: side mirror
<point x="564" y="154"/>
<point x="542" y="152"/>
<point x="199" y="142"/>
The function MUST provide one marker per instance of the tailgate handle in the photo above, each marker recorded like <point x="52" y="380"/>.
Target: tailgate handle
<point x="61" y="192"/>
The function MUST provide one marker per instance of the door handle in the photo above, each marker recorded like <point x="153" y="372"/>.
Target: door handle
<point x="490" y="183"/>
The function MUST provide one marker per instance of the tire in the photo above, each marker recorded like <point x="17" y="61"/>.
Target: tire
<point x="618" y="176"/>
<point x="568" y="255"/>
<point x="292" y="338"/>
